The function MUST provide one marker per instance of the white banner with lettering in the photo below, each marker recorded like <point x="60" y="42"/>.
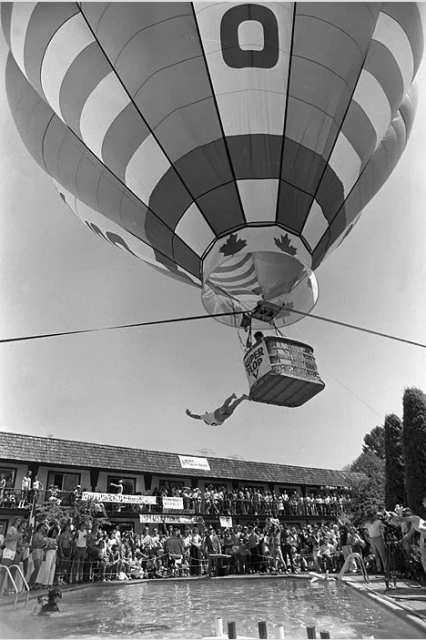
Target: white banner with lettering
<point x="257" y="363"/>
<point x="190" y="462"/>
<point x="172" y="503"/>
<point x="225" y="522"/>
<point x="154" y="518"/>
<point x="118" y="497"/>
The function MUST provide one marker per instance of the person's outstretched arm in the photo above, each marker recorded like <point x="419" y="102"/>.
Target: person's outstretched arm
<point x="192" y="415"/>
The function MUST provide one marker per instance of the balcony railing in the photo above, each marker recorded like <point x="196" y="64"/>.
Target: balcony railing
<point x="14" y="498"/>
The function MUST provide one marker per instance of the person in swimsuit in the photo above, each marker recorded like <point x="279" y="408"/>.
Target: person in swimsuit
<point x="218" y="417"/>
<point x="51" y="605"/>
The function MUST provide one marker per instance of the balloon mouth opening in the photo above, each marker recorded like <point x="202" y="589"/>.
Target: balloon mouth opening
<point x="238" y="284"/>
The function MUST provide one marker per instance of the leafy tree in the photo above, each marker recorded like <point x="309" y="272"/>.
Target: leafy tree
<point x="367" y="484"/>
<point x="414" y="444"/>
<point x="375" y="442"/>
<point x="395" y="465"/>
<point x="79" y="511"/>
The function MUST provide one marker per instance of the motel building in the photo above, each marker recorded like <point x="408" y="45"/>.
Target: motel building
<point x="67" y="468"/>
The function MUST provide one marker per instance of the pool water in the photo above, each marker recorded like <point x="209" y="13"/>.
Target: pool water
<point x="187" y="609"/>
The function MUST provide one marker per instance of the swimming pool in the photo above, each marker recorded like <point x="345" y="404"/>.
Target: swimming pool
<point x="187" y="609"/>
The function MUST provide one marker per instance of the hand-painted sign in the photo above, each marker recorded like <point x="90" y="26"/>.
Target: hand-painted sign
<point x="191" y="462"/>
<point x="225" y="522"/>
<point x="148" y="518"/>
<point x="118" y="497"/>
<point x="172" y="503"/>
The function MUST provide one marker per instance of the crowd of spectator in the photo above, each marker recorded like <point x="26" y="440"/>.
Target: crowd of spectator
<point x="54" y="555"/>
<point x="213" y="500"/>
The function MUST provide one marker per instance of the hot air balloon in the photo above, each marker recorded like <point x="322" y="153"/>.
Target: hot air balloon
<point x="230" y="145"/>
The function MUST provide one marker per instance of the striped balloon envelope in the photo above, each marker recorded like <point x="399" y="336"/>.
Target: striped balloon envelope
<point x="232" y="146"/>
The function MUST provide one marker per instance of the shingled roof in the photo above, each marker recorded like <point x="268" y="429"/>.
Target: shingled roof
<point x="70" y="453"/>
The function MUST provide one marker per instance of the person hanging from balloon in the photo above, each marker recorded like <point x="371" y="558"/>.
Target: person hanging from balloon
<point x="217" y="418"/>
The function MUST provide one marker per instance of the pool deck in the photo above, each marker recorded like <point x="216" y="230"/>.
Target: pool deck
<point x="408" y="599"/>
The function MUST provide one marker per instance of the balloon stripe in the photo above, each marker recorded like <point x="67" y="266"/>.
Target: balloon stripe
<point x="71" y="164"/>
<point x="248" y="271"/>
<point x="392" y="36"/>
<point x="382" y="65"/>
<point x="189" y="128"/>
<point x="85" y="73"/>
<point x="20" y="19"/>
<point x="409" y="18"/>
<point x="104" y="104"/>
<point x="222" y="208"/>
<point x="45" y="22"/>
<point x="5" y="20"/>
<point x="27" y="106"/>
<point x="67" y="43"/>
<point x="371" y="97"/>
<point x="194" y="230"/>
<point x="315" y="226"/>
<point x="146" y="168"/>
<point x="345" y="162"/>
<point x="259" y="199"/>
<point x="122" y="25"/>
<point x="233" y="264"/>
<point x="255" y="156"/>
<point x="373" y="177"/>
<point x="359" y="131"/>
<point x="205" y="168"/>
<point x="125" y="135"/>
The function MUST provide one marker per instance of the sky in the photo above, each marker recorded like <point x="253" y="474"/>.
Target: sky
<point x="131" y="387"/>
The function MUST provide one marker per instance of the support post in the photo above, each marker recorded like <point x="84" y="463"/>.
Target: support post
<point x="218" y="627"/>
<point x="279" y="632"/>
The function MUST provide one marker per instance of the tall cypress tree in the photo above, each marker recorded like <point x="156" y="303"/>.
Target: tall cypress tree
<point x="414" y="444"/>
<point x="395" y="465"/>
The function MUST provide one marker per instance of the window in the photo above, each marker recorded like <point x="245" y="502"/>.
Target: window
<point x="8" y="474"/>
<point x="64" y="481"/>
<point x="174" y="484"/>
<point x="129" y="485"/>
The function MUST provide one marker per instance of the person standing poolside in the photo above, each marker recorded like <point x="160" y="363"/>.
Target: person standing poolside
<point x="80" y="553"/>
<point x="375" y="529"/>
<point x="217" y="418"/>
<point x="9" y="552"/>
<point x="65" y="546"/>
<point x="38" y="544"/>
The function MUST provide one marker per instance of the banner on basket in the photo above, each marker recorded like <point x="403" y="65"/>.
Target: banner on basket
<point x="172" y="503"/>
<point x="118" y="497"/>
<point x="257" y="362"/>
<point x="191" y="462"/>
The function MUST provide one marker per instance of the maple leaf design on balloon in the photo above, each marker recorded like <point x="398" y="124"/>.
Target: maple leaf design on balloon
<point x="285" y="245"/>
<point x="232" y="245"/>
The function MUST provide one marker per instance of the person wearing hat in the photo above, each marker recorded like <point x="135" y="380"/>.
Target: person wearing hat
<point x="217" y="418"/>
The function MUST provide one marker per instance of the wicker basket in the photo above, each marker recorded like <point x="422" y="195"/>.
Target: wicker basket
<point x="293" y="378"/>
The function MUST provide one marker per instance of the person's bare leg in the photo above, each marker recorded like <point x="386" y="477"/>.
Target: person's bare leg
<point x="231" y="408"/>
<point x="228" y="401"/>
